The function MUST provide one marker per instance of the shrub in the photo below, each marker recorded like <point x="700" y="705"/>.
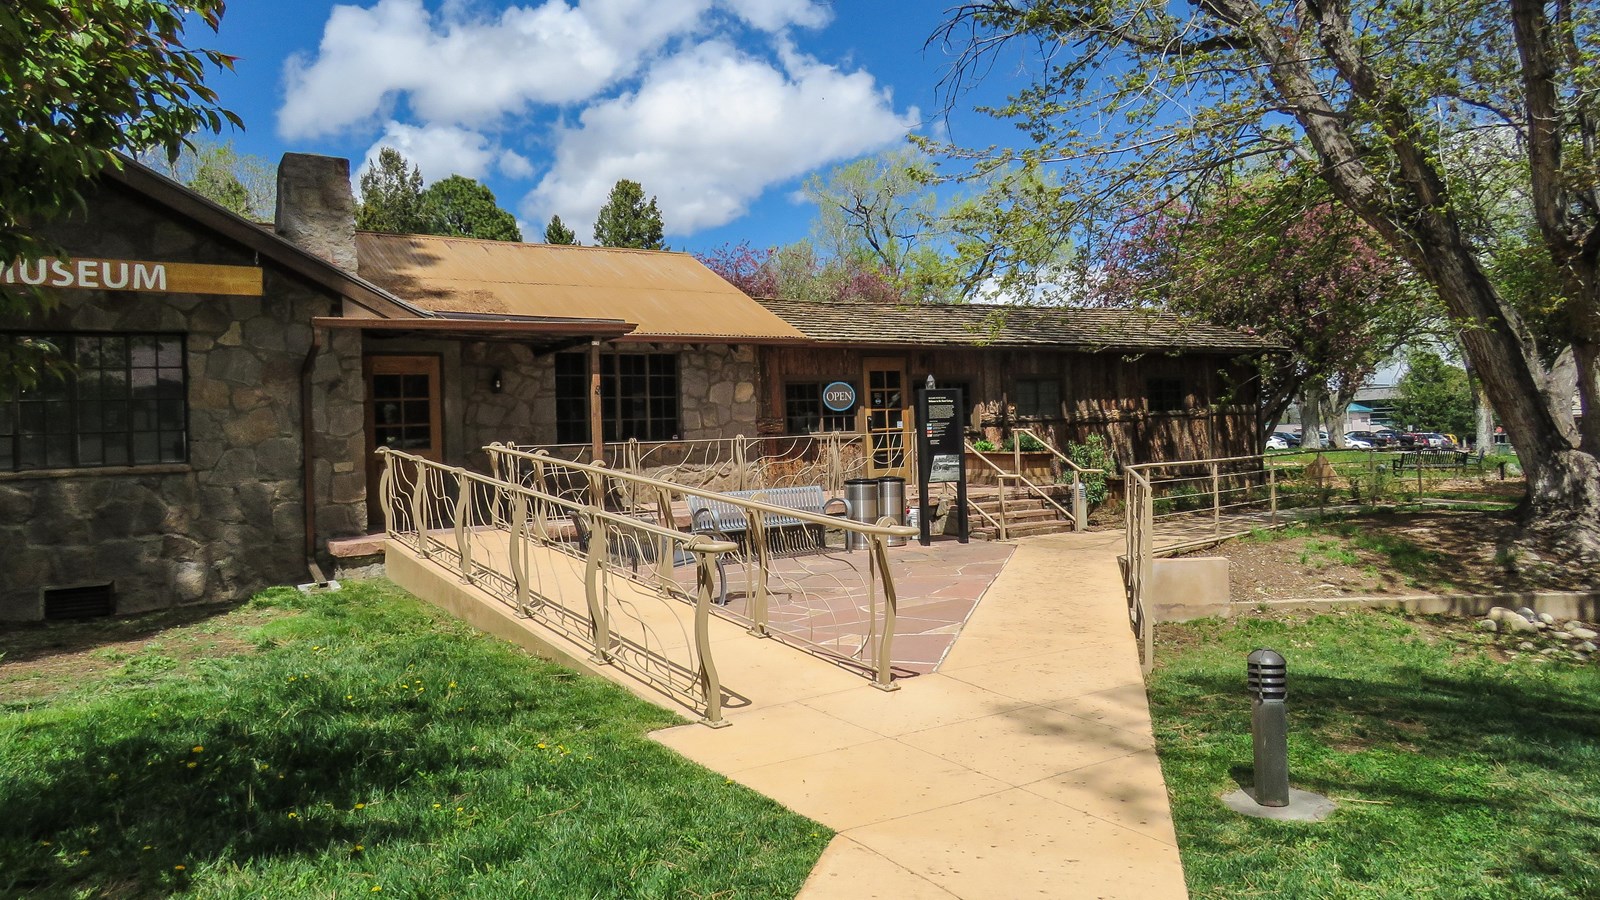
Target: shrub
<point x="1093" y="453"/>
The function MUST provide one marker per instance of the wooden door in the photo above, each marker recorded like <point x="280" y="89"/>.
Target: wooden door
<point x="402" y="414"/>
<point x="886" y="410"/>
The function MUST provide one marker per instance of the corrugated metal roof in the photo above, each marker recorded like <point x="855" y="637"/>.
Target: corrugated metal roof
<point x="670" y="296"/>
<point x="976" y="325"/>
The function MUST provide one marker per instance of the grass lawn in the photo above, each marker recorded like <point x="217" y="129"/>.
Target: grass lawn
<point x="1461" y="770"/>
<point x="357" y="744"/>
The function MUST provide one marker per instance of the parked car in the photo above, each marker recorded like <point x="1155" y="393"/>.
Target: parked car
<point x="1388" y="437"/>
<point x="1433" y="440"/>
<point x="1288" y="439"/>
<point x="1352" y="442"/>
<point x="1370" y="438"/>
<point x="1276" y="442"/>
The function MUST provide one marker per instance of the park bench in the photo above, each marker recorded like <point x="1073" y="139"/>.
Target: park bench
<point x="1438" y="459"/>
<point x="785" y="534"/>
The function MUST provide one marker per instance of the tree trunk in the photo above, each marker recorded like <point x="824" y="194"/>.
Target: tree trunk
<point x="1311" y="417"/>
<point x="1484" y="413"/>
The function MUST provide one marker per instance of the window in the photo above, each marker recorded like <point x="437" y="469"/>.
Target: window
<point x="638" y="397"/>
<point x="1165" y="394"/>
<point x="803" y="412"/>
<point x="124" y="402"/>
<point x="1038" y="398"/>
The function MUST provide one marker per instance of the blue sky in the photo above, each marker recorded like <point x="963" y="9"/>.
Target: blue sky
<point x="719" y="107"/>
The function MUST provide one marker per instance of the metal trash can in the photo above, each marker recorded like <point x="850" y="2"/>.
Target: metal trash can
<point x="892" y="503"/>
<point x="862" y="495"/>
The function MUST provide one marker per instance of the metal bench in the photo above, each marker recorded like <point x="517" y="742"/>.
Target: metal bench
<point x="713" y="516"/>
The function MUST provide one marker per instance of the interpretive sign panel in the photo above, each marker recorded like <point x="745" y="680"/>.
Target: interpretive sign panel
<point x="940" y="446"/>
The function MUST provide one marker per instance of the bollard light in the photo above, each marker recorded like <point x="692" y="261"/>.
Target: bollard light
<point x="1266" y="674"/>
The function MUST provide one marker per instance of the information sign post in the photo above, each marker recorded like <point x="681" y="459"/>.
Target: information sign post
<point x="941" y="457"/>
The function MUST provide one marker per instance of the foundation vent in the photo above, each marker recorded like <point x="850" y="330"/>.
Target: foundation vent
<point x="84" y="601"/>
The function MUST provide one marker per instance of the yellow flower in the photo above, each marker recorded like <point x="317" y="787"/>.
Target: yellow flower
<point x="294" y="815"/>
<point x="452" y="684"/>
<point x="376" y="888"/>
<point x="461" y="809"/>
<point x="192" y="765"/>
<point x="435" y="806"/>
<point x="361" y="806"/>
<point x="148" y="847"/>
<point x="198" y="749"/>
<point x="349" y="696"/>
<point x="83" y="853"/>
<point x="179" y="867"/>
<point x="541" y="745"/>
<point x="358" y="848"/>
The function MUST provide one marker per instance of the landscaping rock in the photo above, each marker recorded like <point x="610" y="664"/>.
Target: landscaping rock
<point x="1525" y="645"/>
<point x="1547" y="619"/>
<point x="1528" y="614"/>
<point x="1572" y="625"/>
<point x="1513" y="624"/>
<point x="1561" y="635"/>
<point x="1550" y="651"/>
<point x="1489" y="625"/>
<point x="1584" y="634"/>
<point x="1586" y="647"/>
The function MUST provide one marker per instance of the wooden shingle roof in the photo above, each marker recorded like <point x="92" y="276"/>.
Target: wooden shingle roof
<point x="975" y="325"/>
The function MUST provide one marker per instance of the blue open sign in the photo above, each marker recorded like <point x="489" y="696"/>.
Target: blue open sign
<point x="839" y="397"/>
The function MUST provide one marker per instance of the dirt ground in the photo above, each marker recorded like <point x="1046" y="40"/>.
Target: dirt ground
<point x="1393" y="553"/>
<point x="43" y="659"/>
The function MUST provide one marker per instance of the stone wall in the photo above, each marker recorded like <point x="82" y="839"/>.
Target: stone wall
<point x="230" y="521"/>
<point x="717" y="386"/>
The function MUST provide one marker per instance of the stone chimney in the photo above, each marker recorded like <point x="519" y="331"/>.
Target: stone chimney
<point x="316" y="211"/>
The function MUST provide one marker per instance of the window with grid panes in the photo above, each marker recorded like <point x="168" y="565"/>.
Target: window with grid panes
<point x="803" y="412"/>
<point x="1038" y="398"/>
<point x="122" y="402"/>
<point x="638" y="397"/>
<point x="1165" y="394"/>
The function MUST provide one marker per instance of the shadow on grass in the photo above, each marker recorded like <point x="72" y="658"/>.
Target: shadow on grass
<point x="37" y="641"/>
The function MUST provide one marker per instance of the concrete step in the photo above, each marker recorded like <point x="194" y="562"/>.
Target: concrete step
<point x="1023" y="529"/>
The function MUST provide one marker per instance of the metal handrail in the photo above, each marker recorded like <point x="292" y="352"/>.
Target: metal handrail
<point x="755" y="505"/>
<point x="1059" y="455"/>
<point x="517" y="511"/>
<point x="875" y="534"/>
<point x="1034" y="488"/>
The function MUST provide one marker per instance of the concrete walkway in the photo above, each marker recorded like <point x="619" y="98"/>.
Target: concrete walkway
<point x="1022" y="767"/>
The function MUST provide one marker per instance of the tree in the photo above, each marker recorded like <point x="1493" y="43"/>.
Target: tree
<point x="878" y="207"/>
<point x="797" y="272"/>
<point x="1148" y="100"/>
<point x="391" y="196"/>
<point x="81" y="81"/>
<point x="1434" y="395"/>
<point x="463" y="207"/>
<point x="242" y="182"/>
<point x="557" y="232"/>
<point x="626" y="220"/>
<point x="1275" y="255"/>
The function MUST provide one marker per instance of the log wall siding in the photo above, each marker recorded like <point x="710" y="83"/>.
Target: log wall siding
<point x="1101" y="393"/>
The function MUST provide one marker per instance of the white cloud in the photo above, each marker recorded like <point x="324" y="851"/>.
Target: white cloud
<point x="457" y="69"/>
<point x="515" y="165"/>
<point x="775" y="15"/>
<point x="709" y="129"/>
<point x="439" y="151"/>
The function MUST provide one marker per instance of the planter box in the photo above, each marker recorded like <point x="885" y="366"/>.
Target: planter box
<point x="1038" y="467"/>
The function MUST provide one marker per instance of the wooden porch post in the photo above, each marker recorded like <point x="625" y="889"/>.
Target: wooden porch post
<point x="597" y="443"/>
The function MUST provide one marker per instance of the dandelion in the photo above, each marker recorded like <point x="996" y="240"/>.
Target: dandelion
<point x="461" y="809"/>
<point x="376" y="888"/>
<point x="361" y="806"/>
<point x="358" y="848"/>
<point x="452" y="684"/>
<point x="294" y="815"/>
<point x="435" y="806"/>
<point x="179" y="868"/>
<point x="198" y="748"/>
<point x="83" y="853"/>
<point x="149" y="847"/>
<point x="541" y="745"/>
<point x="349" y="696"/>
<point x="190" y="765"/>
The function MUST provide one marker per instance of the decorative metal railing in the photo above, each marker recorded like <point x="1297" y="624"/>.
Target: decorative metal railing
<point x="731" y="464"/>
<point x="791" y="573"/>
<point x="602" y="579"/>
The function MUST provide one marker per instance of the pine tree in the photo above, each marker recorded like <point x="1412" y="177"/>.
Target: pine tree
<point x="558" y="233"/>
<point x="463" y="207"/>
<point x="627" y="221"/>
<point x="391" y="196"/>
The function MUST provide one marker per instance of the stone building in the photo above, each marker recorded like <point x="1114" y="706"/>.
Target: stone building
<point x="230" y="382"/>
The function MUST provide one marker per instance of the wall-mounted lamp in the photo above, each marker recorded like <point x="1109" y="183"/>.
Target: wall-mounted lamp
<point x="495" y="382"/>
